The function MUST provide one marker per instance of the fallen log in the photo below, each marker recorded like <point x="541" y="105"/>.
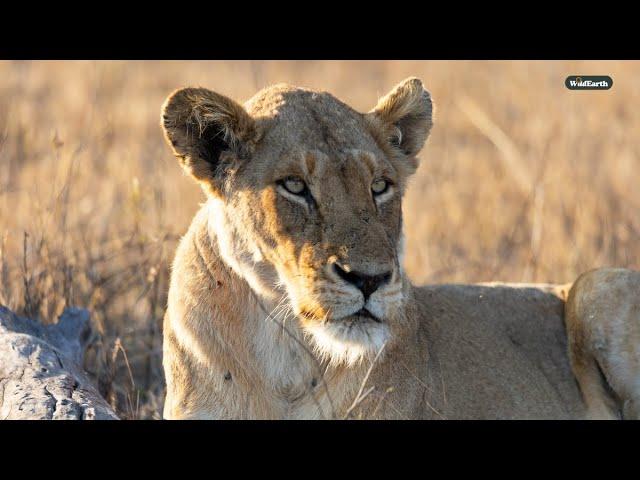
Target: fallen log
<point x="41" y="377"/>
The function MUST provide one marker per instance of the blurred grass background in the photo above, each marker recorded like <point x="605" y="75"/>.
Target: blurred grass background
<point x="521" y="180"/>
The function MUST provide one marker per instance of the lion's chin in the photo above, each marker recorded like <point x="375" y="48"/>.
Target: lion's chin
<point x="350" y="340"/>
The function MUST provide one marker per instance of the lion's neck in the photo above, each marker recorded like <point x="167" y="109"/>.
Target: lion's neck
<point x="258" y="324"/>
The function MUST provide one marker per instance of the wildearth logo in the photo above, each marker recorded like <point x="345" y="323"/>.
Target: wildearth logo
<point x="588" y="82"/>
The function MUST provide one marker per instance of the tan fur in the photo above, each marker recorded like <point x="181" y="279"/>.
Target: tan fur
<point x="603" y="328"/>
<point x="259" y="325"/>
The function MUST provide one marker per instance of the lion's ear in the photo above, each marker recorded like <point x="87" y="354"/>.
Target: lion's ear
<point x="404" y="114"/>
<point x="203" y="128"/>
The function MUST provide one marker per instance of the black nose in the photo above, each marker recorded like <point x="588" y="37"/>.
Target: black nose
<point x="367" y="284"/>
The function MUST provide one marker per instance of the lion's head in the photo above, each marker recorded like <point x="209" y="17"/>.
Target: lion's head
<point x="306" y="196"/>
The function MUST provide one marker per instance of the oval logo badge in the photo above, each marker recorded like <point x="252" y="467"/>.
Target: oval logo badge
<point x="588" y="82"/>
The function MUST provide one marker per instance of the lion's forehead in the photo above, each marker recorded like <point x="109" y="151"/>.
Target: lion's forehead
<point x="297" y="117"/>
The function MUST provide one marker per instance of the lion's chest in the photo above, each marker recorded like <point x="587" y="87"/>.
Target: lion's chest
<point x="288" y="367"/>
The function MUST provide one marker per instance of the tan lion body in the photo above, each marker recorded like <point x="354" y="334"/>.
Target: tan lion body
<point x="603" y="328"/>
<point x="288" y="298"/>
<point x="473" y="351"/>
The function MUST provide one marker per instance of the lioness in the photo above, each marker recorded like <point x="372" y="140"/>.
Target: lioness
<point x="603" y="327"/>
<point x="288" y="298"/>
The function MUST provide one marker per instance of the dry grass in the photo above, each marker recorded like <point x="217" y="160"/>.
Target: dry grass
<point x="522" y="180"/>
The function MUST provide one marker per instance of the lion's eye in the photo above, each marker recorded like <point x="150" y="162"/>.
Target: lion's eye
<point x="294" y="185"/>
<point x="379" y="186"/>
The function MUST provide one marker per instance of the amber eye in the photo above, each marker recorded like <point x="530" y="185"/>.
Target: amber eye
<point x="294" y="185"/>
<point x="379" y="186"/>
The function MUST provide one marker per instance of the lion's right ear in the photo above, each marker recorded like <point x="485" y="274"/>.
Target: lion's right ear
<point x="207" y="131"/>
<point x="404" y="116"/>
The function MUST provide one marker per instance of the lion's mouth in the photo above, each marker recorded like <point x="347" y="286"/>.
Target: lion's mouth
<point x="361" y="315"/>
<point x="363" y="312"/>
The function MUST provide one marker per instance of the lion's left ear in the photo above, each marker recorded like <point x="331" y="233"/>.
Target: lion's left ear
<point x="404" y="115"/>
<point x="205" y="130"/>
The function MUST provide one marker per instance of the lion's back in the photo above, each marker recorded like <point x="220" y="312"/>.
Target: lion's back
<point x="501" y="346"/>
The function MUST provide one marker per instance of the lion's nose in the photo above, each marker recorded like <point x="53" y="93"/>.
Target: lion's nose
<point x="367" y="284"/>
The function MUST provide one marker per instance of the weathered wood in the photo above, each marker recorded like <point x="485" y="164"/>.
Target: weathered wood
<point x="40" y="369"/>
